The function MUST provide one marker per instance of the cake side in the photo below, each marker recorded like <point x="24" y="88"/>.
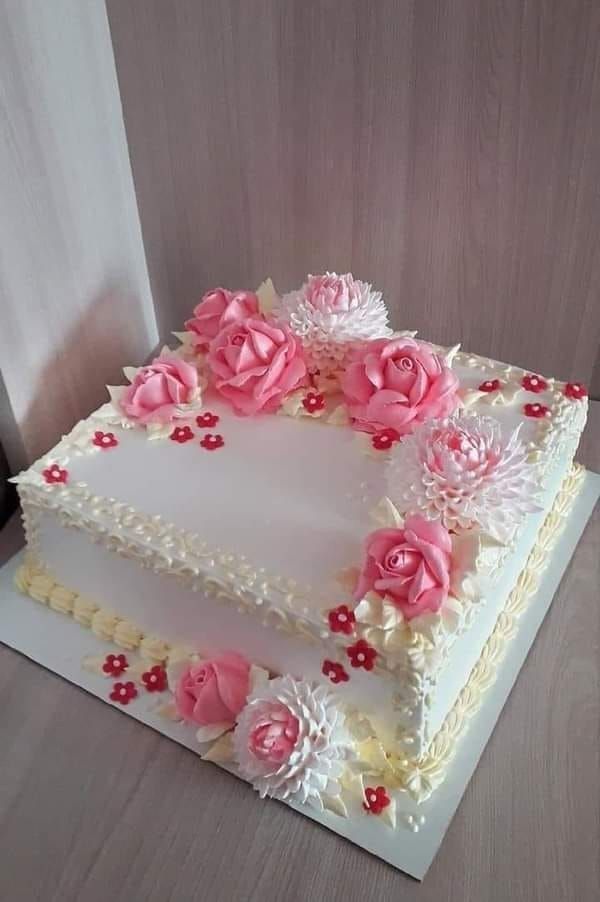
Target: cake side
<point x="419" y="775"/>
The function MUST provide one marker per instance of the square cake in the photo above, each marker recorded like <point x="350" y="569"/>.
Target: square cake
<point x="310" y="536"/>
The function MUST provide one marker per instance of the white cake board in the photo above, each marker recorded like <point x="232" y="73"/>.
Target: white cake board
<point x="60" y="644"/>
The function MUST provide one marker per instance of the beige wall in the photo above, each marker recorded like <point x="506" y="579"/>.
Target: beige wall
<point x="75" y="301"/>
<point x="449" y="151"/>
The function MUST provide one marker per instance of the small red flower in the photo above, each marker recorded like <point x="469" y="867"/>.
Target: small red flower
<point x="115" y="665"/>
<point x="535" y="410"/>
<point x="376" y="799"/>
<point x="341" y="620"/>
<point x="181" y="434"/>
<point x="383" y="441"/>
<point x="335" y="672"/>
<point x="575" y="390"/>
<point x="212" y="442"/>
<point x="123" y="693"/>
<point x="361" y="654"/>
<point x="313" y="402"/>
<point x="490" y="385"/>
<point x="155" y="679"/>
<point x="105" y="440"/>
<point x="55" y="474"/>
<point x="533" y="383"/>
<point x="207" y="420"/>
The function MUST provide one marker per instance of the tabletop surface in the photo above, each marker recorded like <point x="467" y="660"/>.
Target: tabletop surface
<point x="95" y="806"/>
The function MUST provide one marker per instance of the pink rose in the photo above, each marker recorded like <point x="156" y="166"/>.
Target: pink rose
<point x="217" y="309"/>
<point x="397" y="383"/>
<point x="214" y="691"/>
<point x="273" y="732"/>
<point x="159" y="388"/>
<point x="255" y="364"/>
<point x="410" y="566"/>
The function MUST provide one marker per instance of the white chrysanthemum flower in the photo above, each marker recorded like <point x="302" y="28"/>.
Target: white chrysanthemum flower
<point x="331" y="314"/>
<point x="464" y="471"/>
<point x="291" y="743"/>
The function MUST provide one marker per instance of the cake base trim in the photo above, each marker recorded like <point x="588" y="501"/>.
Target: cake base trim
<point x="417" y="776"/>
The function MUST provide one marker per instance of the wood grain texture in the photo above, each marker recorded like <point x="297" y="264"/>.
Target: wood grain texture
<point x="75" y="302"/>
<point x="447" y="151"/>
<point x="94" y="806"/>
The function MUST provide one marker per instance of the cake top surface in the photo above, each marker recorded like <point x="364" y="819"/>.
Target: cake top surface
<point x="289" y="444"/>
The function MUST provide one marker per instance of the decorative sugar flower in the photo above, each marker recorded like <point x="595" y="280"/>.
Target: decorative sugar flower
<point x="396" y="385"/>
<point x="217" y="309"/>
<point x="55" y="475"/>
<point x="376" y="799"/>
<point x="494" y="391"/>
<point x="155" y="679"/>
<point x="105" y="440"/>
<point x="181" y="435"/>
<point x="212" y="442"/>
<point x="207" y="420"/>
<point x="576" y="391"/>
<point x="123" y="693"/>
<point x="334" y="671"/>
<point x="332" y="313"/>
<point x="533" y="383"/>
<point x="409" y="565"/>
<point x="536" y="411"/>
<point x="115" y="665"/>
<point x="341" y="620"/>
<point x="291" y="743"/>
<point x="361" y="654"/>
<point x="465" y="472"/>
<point x="211" y="693"/>
<point x="165" y="390"/>
<point x="255" y="364"/>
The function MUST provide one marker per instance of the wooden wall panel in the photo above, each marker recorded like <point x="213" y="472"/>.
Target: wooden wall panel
<point x="447" y="151"/>
<point x="75" y="302"/>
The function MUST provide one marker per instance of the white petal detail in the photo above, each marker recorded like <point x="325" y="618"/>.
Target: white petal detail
<point x="465" y="472"/>
<point x="332" y="313"/>
<point x="323" y="746"/>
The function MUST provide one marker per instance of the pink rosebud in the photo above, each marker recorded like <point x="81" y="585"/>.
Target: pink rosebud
<point x="255" y="364"/>
<point x="217" y="309"/>
<point x="159" y="388"/>
<point x="397" y="383"/>
<point x="214" y="691"/>
<point x="410" y="566"/>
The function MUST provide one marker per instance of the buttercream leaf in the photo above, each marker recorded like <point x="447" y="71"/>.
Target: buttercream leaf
<point x="258" y="677"/>
<point x="348" y="578"/>
<point x="130" y="372"/>
<point x="169" y="712"/>
<point x="451" y="354"/>
<point x="339" y="416"/>
<point x="469" y="396"/>
<point x="158" y="430"/>
<point x="267" y="297"/>
<point x="213" y="731"/>
<point x="221" y="752"/>
<point x="93" y="664"/>
<point x="388" y="814"/>
<point x="385" y="513"/>
<point x="335" y="804"/>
